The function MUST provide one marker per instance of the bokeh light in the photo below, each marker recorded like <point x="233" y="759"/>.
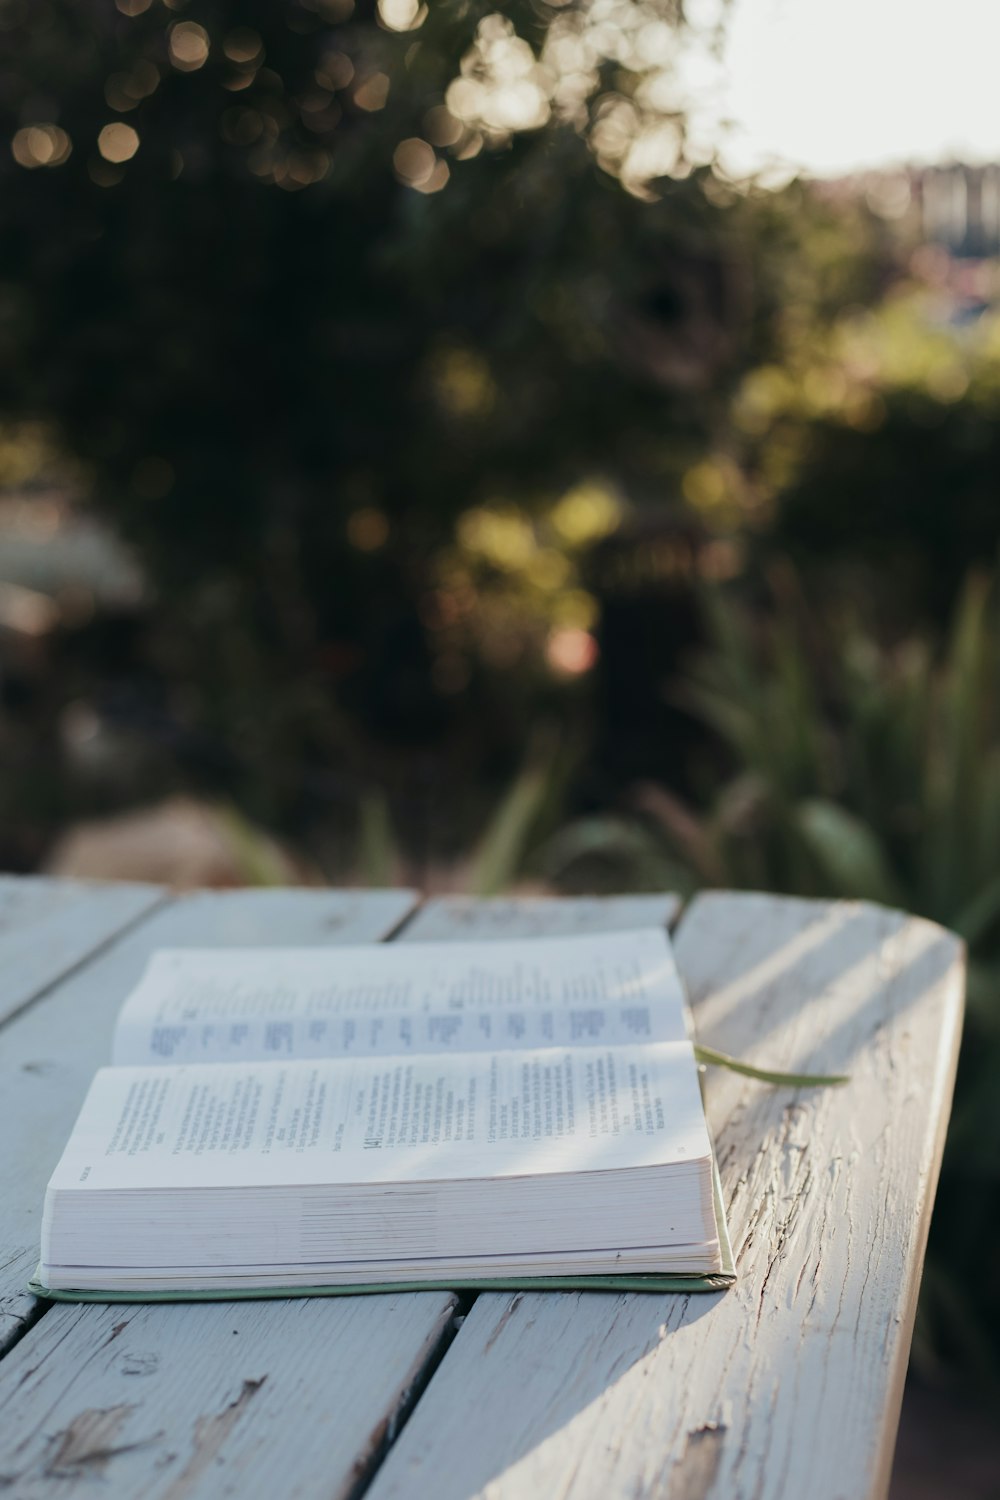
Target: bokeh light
<point x="414" y="161"/>
<point x="502" y="87"/>
<point x="41" y="146"/>
<point x="586" y="514"/>
<point x="571" y="652"/>
<point x="336" y="71"/>
<point x="372" y="92"/>
<point x="189" y="46"/>
<point x="118" y="142"/>
<point x="243" y="45"/>
<point x="401" y="15"/>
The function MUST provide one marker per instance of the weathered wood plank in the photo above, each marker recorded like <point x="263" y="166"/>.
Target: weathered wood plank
<point x="246" y="1398"/>
<point x="175" y="1402"/>
<point x="790" y="1384"/>
<point x="50" y="1052"/>
<point x="48" y="927"/>
<point x="454" y="917"/>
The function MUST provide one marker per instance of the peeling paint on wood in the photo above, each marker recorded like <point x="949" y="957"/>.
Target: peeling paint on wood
<point x="88" y="1443"/>
<point x="790" y="1384"/>
<point x="787" y="1386"/>
<point x="695" y="1471"/>
<point x="210" y="1433"/>
<point x="301" y="1402"/>
<point x="190" y="1401"/>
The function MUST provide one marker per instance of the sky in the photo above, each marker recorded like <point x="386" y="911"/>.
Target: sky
<point x="833" y="86"/>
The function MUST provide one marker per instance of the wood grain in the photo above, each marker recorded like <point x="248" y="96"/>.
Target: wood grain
<point x="50" y="1052"/>
<point x="270" y="1399"/>
<point x="790" y="1384"/>
<point x="174" y="1402"/>
<point x="48" y="927"/>
<point x="448" y="918"/>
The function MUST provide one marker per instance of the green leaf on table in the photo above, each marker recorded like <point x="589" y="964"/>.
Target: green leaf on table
<point x="709" y="1057"/>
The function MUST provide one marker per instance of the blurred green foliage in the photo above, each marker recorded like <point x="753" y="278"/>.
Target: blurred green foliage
<point x="870" y="439"/>
<point x="305" y="286"/>
<point x="846" y="769"/>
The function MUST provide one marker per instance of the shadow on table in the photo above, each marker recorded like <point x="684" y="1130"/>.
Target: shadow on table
<point x="682" y="1396"/>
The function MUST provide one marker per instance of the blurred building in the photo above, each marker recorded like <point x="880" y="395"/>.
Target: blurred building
<point x="951" y="205"/>
<point x="959" y="208"/>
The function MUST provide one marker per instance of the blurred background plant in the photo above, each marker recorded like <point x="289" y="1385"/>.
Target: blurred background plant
<point x="840" y="767"/>
<point x="245" y="243"/>
<point x="425" y="457"/>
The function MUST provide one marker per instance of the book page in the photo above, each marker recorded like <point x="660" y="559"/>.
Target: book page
<point x="399" y="1119"/>
<point x="242" y="1005"/>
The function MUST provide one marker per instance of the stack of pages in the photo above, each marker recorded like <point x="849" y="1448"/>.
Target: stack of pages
<point x="282" y="1121"/>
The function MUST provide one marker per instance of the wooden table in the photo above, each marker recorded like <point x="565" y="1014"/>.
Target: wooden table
<point x="787" y="1386"/>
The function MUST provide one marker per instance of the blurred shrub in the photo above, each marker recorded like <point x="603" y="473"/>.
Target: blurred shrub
<point x="870" y="443"/>
<point x="846" y="769"/>
<point x="333" y="301"/>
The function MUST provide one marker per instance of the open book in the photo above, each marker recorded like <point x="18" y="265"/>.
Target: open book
<point x="281" y="1121"/>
